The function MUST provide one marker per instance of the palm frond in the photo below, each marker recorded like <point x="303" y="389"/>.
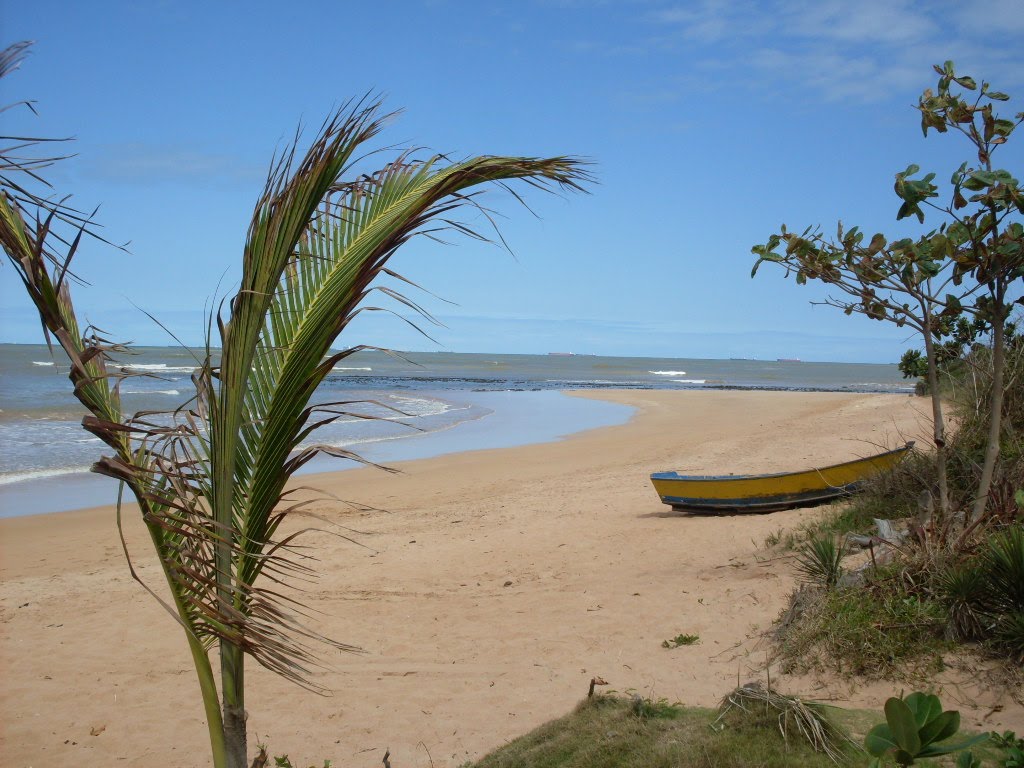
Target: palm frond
<point x="316" y="245"/>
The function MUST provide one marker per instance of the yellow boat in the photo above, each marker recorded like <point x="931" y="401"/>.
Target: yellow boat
<point x="767" y="493"/>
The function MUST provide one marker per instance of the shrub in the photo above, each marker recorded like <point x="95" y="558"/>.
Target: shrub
<point x="963" y="588"/>
<point x="819" y="561"/>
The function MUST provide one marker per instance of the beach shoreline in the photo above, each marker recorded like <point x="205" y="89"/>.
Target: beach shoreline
<point x="496" y="584"/>
<point x="499" y="420"/>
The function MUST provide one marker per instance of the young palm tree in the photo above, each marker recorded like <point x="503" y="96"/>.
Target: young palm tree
<point x="210" y="479"/>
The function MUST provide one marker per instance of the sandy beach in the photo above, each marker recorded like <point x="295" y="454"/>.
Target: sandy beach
<point x="486" y="589"/>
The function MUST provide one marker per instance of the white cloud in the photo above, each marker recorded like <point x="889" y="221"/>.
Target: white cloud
<point x="152" y="163"/>
<point x="836" y="76"/>
<point x="712" y="21"/>
<point x="865" y="22"/>
<point x="988" y="17"/>
<point x="865" y="51"/>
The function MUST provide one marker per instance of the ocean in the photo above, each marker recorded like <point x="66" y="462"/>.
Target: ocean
<point x="426" y="404"/>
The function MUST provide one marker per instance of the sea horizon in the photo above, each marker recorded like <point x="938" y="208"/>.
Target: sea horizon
<point x="197" y="349"/>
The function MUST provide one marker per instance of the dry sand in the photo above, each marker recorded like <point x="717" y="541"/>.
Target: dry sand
<point x="486" y="597"/>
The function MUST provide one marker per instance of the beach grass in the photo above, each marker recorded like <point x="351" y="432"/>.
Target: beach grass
<point x="612" y="731"/>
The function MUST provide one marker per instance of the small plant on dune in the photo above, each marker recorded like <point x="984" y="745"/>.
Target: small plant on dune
<point x="774" y="538"/>
<point x="1008" y="635"/>
<point x="1011" y="747"/>
<point x="647" y="708"/>
<point x="262" y="760"/>
<point x="1003" y="561"/>
<point x="819" y="561"/>
<point x="806" y="719"/>
<point x="914" y="728"/>
<point x="963" y="588"/>
<point x="984" y="596"/>
<point x="679" y="640"/>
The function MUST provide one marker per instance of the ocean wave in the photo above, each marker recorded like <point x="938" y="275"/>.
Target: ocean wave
<point x="150" y="392"/>
<point x="40" y="474"/>
<point x="343" y="368"/>
<point x="393" y="408"/>
<point x="159" y="368"/>
<point x="586" y="382"/>
<point x="424" y="406"/>
<point x="668" y="373"/>
<point x="40" y="362"/>
<point x="690" y="381"/>
<point x="879" y="386"/>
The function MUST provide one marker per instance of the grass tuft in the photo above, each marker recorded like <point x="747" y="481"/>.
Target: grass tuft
<point x="792" y="715"/>
<point x="605" y="732"/>
<point x="679" y="640"/>
<point x="819" y="561"/>
<point x="882" y="630"/>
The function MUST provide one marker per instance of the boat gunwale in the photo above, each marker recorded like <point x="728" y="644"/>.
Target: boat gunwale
<point x="672" y="475"/>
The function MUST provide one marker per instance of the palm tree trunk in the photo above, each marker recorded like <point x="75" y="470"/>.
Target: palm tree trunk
<point x="208" y="686"/>
<point x="232" y="673"/>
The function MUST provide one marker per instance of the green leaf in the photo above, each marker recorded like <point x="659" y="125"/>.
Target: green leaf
<point x="1003" y="127"/>
<point x="997" y="96"/>
<point x="925" y="706"/>
<point x="903" y="725"/>
<point x="973" y="184"/>
<point x="934" y="750"/>
<point x="966" y="82"/>
<point x="879" y="740"/>
<point x="987" y="178"/>
<point x="940" y="728"/>
<point x="958" y="174"/>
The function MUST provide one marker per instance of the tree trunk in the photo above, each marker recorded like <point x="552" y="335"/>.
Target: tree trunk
<point x="995" y="423"/>
<point x="938" y="421"/>
<point x="232" y="673"/>
<point x="208" y="686"/>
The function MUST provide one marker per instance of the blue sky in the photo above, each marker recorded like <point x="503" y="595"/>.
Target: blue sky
<point x="709" y="123"/>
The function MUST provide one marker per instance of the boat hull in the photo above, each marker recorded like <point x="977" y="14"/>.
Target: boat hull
<point x="767" y="493"/>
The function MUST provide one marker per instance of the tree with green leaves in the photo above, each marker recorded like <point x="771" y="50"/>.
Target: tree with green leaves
<point x="985" y="238"/>
<point x="972" y="263"/>
<point x="210" y="479"/>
